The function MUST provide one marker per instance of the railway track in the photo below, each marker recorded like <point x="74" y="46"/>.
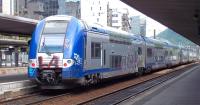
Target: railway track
<point x="120" y="89"/>
<point x="118" y="97"/>
<point x="32" y="98"/>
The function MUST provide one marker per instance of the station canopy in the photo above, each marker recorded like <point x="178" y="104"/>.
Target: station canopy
<point x="182" y="16"/>
<point x="16" y="25"/>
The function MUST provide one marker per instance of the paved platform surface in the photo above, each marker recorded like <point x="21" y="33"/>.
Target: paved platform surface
<point x="182" y="91"/>
<point x="13" y="70"/>
<point x="12" y="78"/>
<point x="13" y="74"/>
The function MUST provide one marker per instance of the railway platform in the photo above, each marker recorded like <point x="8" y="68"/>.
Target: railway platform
<point x="11" y="74"/>
<point x="184" y="90"/>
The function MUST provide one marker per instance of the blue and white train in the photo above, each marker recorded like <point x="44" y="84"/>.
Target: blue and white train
<point x="65" y="52"/>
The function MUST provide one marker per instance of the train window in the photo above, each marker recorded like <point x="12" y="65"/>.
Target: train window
<point x="162" y="58"/>
<point x="149" y="52"/>
<point x="58" y="27"/>
<point x="156" y="58"/>
<point x="166" y="53"/>
<point x="139" y="51"/>
<point x="123" y="63"/>
<point x="116" y="61"/>
<point x="171" y="53"/>
<point x="95" y="50"/>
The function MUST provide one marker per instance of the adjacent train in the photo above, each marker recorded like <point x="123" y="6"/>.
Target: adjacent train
<point x="65" y="52"/>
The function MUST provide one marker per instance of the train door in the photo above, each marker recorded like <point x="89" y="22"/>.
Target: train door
<point x="144" y="55"/>
<point x="142" y="58"/>
<point x="85" y="52"/>
<point x="94" y="51"/>
<point x="166" y="57"/>
<point x="150" y="61"/>
<point x="181" y="56"/>
<point x="103" y="55"/>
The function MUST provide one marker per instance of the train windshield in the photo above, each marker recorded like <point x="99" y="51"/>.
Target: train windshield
<point x="52" y="38"/>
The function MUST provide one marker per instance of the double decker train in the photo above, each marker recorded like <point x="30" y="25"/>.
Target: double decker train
<point x="66" y="52"/>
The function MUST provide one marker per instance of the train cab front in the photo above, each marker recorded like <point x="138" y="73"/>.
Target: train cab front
<point x="51" y="69"/>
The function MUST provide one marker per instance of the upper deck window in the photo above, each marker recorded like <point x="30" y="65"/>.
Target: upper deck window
<point x="55" y="26"/>
<point x="53" y="36"/>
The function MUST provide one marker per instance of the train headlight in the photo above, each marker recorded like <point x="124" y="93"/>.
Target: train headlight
<point x="32" y="63"/>
<point x="67" y="63"/>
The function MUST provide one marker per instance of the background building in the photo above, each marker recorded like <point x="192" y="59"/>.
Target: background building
<point x="135" y="25"/>
<point x="51" y="7"/>
<point x="143" y="26"/>
<point x="8" y="7"/>
<point x="35" y="9"/>
<point x="0" y="6"/>
<point x="61" y="8"/>
<point x="73" y="8"/>
<point x="30" y="8"/>
<point x="109" y="15"/>
<point x="125" y="20"/>
<point x="138" y="25"/>
<point x="94" y="11"/>
<point x="118" y="18"/>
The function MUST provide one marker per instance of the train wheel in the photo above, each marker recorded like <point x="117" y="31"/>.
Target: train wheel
<point x="169" y="66"/>
<point x="94" y="79"/>
<point x="99" y="78"/>
<point x="86" y="81"/>
<point x="148" y="70"/>
<point x="140" y="71"/>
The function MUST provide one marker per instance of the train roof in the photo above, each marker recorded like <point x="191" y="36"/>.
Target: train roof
<point x="159" y="43"/>
<point x="115" y="33"/>
<point x="169" y="44"/>
<point x="106" y="29"/>
<point x="58" y="17"/>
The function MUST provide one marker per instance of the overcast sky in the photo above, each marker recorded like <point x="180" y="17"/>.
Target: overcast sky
<point x="151" y="24"/>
